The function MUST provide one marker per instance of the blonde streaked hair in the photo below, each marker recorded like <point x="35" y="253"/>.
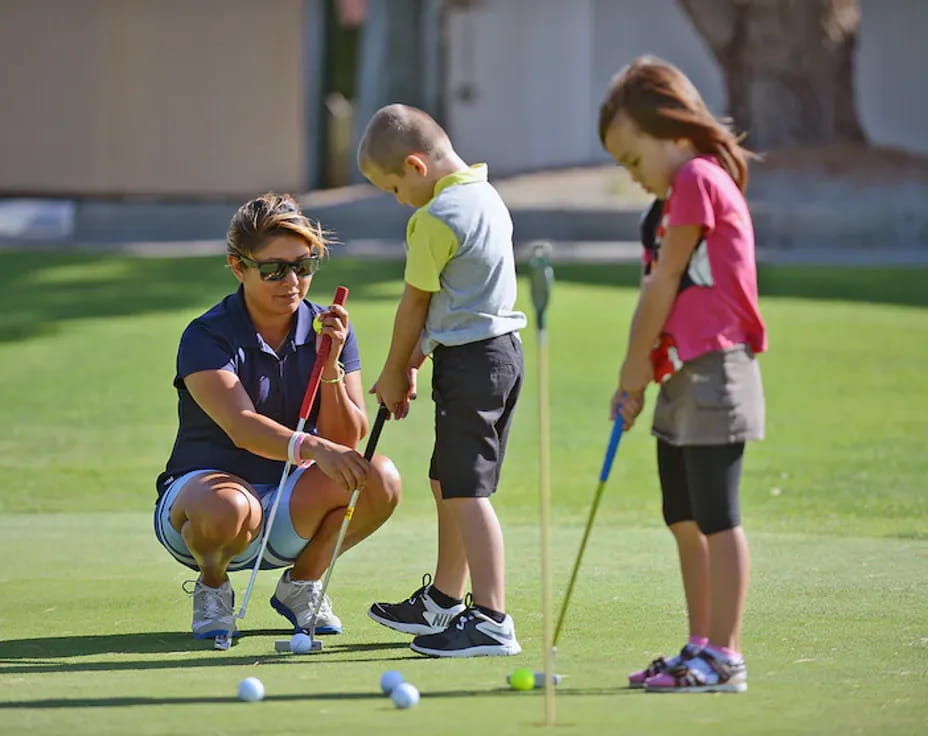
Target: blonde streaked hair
<point x="269" y="216"/>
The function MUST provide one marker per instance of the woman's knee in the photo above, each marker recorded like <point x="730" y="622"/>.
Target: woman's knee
<point x="223" y="514"/>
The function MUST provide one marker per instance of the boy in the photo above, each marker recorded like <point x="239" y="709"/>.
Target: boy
<point x="457" y="306"/>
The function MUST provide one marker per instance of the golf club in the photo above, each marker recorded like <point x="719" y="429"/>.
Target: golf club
<point x="613" y="445"/>
<point x="382" y="414"/>
<point x="542" y="281"/>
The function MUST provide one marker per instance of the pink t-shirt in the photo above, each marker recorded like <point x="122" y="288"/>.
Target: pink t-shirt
<point x="716" y="305"/>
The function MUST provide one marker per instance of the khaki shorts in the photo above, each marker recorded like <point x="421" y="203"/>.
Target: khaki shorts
<point x="715" y="399"/>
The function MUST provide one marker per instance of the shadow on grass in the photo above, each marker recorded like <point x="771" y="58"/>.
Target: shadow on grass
<point x="120" y="702"/>
<point x="41" y="290"/>
<point x="39" y="655"/>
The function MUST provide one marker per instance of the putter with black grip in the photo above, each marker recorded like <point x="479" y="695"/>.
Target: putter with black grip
<point x="382" y="414"/>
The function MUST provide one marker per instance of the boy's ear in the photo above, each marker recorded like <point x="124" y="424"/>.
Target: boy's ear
<point x="418" y="163"/>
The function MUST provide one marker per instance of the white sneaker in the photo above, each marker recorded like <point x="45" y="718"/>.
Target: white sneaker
<point x="213" y="611"/>
<point x="296" y="600"/>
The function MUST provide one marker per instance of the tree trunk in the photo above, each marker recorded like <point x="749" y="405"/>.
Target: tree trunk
<point x="788" y="66"/>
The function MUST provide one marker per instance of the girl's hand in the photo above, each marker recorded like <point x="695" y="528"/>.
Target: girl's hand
<point x="334" y="322"/>
<point x="627" y="403"/>
<point x="628" y="399"/>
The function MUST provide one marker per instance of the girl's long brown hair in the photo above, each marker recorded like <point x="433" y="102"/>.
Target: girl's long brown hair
<point x="663" y="103"/>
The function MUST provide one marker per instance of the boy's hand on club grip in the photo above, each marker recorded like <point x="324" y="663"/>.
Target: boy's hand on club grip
<point x="393" y="389"/>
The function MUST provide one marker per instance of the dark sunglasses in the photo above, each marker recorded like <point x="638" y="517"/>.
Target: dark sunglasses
<point x="277" y="270"/>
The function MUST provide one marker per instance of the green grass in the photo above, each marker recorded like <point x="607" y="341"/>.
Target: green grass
<point x="93" y="621"/>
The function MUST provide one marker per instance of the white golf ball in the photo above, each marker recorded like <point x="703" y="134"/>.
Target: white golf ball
<point x="251" y="689"/>
<point x="404" y="695"/>
<point x="300" y="643"/>
<point x="389" y="680"/>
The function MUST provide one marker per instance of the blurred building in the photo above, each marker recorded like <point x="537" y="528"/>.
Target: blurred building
<point x="221" y="98"/>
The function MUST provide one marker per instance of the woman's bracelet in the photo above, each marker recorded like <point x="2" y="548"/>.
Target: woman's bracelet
<point x="338" y="378"/>
<point x="295" y="450"/>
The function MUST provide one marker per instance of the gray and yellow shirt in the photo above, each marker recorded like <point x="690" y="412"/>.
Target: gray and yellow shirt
<point x="459" y="246"/>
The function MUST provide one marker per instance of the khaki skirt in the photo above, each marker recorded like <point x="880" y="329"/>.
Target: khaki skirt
<point x="715" y="399"/>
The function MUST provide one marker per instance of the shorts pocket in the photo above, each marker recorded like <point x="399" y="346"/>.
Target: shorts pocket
<point x="714" y="393"/>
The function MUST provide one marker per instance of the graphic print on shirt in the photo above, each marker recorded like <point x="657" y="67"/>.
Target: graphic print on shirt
<point x="654" y="227"/>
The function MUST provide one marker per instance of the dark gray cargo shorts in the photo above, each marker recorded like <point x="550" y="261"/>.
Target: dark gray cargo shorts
<point x="475" y="388"/>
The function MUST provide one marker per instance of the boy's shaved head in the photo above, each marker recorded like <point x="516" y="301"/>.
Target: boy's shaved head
<point x="394" y="132"/>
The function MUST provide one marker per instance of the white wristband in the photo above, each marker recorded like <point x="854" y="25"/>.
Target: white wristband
<point x="294" y="447"/>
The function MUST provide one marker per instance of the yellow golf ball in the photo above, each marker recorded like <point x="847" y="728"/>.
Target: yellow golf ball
<point x="522" y="679"/>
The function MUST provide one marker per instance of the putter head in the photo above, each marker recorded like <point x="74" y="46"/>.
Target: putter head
<point x="283" y="645"/>
<point x="542" y="275"/>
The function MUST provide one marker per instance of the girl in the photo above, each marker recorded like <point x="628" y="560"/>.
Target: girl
<point x="696" y="331"/>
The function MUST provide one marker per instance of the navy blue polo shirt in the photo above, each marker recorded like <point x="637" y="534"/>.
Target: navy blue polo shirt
<point x="225" y="339"/>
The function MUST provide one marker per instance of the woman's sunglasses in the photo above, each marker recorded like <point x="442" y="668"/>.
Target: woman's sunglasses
<point x="277" y="270"/>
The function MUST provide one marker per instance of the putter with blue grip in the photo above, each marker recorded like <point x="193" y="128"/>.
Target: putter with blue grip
<point x="603" y="477"/>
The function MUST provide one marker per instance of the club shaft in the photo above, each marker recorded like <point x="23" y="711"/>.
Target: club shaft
<point x="272" y="514"/>
<point x="382" y="414"/>
<point x="573" y="575"/>
<point x="614" y="438"/>
<point x="544" y="475"/>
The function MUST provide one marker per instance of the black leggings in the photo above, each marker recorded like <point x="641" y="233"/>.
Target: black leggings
<point x="701" y="484"/>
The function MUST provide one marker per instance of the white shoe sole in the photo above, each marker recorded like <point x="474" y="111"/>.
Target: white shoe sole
<point x="728" y="687"/>
<point x="404" y="628"/>
<point x="498" y="650"/>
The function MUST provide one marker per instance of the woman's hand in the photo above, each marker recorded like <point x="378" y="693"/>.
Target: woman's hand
<point x="342" y="464"/>
<point x="334" y="321"/>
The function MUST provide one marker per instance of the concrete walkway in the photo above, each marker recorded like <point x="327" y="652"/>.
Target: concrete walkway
<point x="591" y="213"/>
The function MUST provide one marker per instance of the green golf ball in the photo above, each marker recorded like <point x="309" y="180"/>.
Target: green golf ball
<point x="522" y="679"/>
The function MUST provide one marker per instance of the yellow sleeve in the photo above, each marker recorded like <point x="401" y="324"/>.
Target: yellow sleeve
<point x="430" y="243"/>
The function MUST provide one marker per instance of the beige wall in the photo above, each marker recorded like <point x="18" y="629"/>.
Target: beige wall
<point x="151" y="96"/>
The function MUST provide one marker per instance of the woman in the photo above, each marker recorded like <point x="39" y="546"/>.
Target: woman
<point x="242" y="371"/>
